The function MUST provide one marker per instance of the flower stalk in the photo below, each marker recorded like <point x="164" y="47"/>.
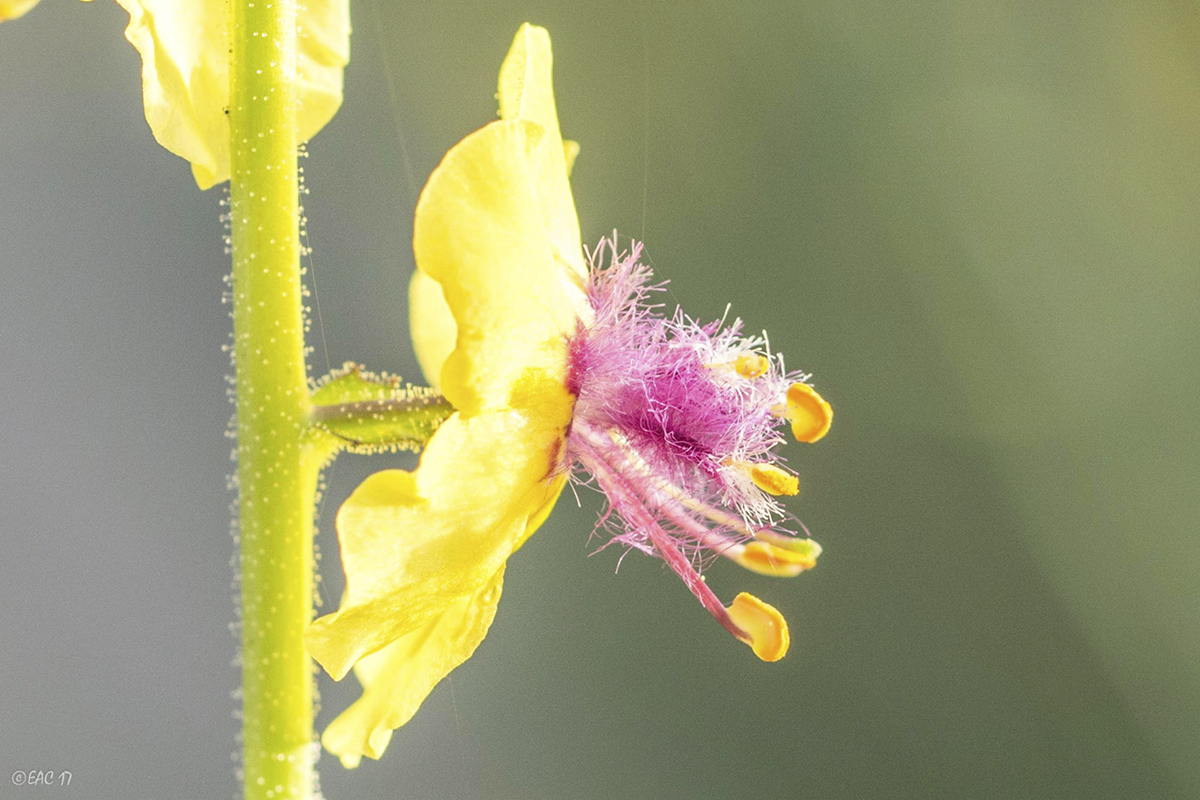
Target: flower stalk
<point x="277" y="474"/>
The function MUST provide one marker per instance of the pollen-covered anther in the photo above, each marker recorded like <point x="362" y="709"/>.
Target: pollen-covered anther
<point x="772" y="479"/>
<point x="808" y="412"/>
<point x="804" y="546"/>
<point x="769" y="558"/>
<point x="765" y="629"/>
<point x="746" y="365"/>
<point x="751" y="365"/>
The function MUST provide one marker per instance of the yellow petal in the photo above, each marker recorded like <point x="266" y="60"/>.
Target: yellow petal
<point x="492" y="232"/>
<point x="570" y="153"/>
<point x="432" y="326"/>
<point x="526" y="92"/>
<point x="185" y="74"/>
<point x="414" y="543"/>
<point x="540" y="515"/>
<point x="398" y="678"/>
<point x="482" y="233"/>
<point x="322" y="53"/>
<point x="11" y="9"/>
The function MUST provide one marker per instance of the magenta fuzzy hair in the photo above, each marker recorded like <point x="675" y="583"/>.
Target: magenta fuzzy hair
<point x="663" y="421"/>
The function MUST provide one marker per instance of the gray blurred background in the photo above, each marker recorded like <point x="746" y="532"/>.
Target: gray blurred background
<point x="975" y="222"/>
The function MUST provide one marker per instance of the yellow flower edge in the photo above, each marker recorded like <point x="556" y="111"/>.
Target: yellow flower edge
<point x="185" y="54"/>
<point x="500" y="266"/>
<point x="526" y="92"/>
<point x="479" y="232"/>
<point x="11" y="9"/>
<point x="398" y="678"/>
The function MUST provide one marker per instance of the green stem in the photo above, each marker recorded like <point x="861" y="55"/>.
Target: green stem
<point x="277" y="475"/>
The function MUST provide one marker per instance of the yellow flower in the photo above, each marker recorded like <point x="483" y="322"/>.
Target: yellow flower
<point x="424" y="551"/>
<point x="11" y="9"/>
<point x="507" y="317"/>
<point x="185" y="54"/>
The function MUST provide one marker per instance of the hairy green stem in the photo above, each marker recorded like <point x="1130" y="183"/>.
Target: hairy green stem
<point x="277" y="474"/>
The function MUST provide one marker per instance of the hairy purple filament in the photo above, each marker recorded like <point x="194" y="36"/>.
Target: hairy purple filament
<point x="667" y="425"/>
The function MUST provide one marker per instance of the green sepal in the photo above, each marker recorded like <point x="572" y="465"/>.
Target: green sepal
<point x="366" y="412"/>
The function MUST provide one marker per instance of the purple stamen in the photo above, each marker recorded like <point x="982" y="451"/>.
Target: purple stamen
<point x="669" y="424"/>
<point x="625" y="499"/>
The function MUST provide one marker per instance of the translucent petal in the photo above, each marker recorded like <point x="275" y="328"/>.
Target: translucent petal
<point x="430" y="322"/>
<point x="570" y="153"/>
<point x="540" y="515"/>
<point x="398" y="678"/>
<point x="526" y="91"/>
<point x="432" y="326"/>
<point x="414" y="543"/>
<point x="185" y="74"/>
<point x="11" y="9"/>
<point x="482" y="233"/>
<point x="497" y="294"/>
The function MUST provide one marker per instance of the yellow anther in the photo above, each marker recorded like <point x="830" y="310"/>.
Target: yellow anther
<point x="773" y="480"/>
<point x="797" y="544"/>
<point x="765" y="627"/>
<point x="751" y="365"/>
<point x="808" y="412"/>
<point x="768" y="558"/>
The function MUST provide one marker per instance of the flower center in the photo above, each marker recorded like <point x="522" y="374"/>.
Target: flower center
<point x="676" y="423"/>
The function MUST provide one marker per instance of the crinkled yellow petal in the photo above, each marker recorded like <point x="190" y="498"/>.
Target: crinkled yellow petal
<point x="415" y="543"/>
<point x="526" y="92"/>
<point x="420" y="548"/>
<point x="398" y="678"/>
<point x="481" y="231"/>
<point x="431" y="325"/>
<point x="185" y="74"/>
<point x="429" y="319"/>
<point x="11" y="9"/>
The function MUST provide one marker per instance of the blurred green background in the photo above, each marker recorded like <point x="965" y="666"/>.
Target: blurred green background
<point x="975" y="222"/>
